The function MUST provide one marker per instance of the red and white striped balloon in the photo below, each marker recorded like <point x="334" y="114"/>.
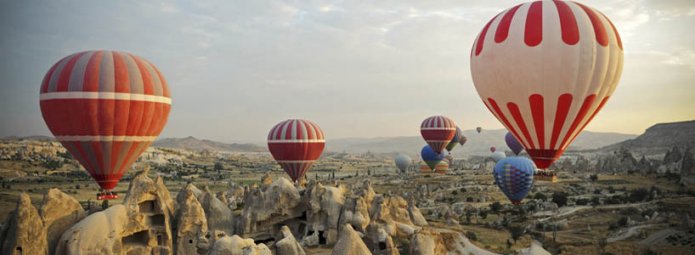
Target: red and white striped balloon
<point x="296" y="144"/>
<point x="105" y="107"/>
<point x="438" y="132"/>
<point x="544" y="69"/>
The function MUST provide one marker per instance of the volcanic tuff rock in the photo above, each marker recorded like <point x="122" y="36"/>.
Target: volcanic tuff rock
<point x="438" y="241"/>
<point x="197" y="193"/>
<point x="232" y="196"/>
<point x="138" y="226"/>
<point x="263" y="208"/>
<point x="323" y="211"/>
<point x="59" y="212"/>
<point x="379" y="241"/>
<point x="356" y="213"/>
<point x="349" y="243"/>
<point x="192" y="225"/>
<point x="24" y="231"/>
<point x="235" y="245"/>
<point x="287" y="244"/>
<point x="349" y="220"/>
<point x="218" y="214"/>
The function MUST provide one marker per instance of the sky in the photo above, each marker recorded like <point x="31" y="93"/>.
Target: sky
<point x="357" y="68"/>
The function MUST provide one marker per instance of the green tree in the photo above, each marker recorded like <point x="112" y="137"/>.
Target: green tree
<point x="638" y="195"/>
<point x="483" y="214"/>
<point x="496" y="206"/>
<point x="593" y="177"/>
<point x="516" y="231"/>
<point x="560" y="198"/>
<point x="540" y="196"/>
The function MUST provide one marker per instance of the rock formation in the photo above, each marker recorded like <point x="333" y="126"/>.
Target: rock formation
<point x="431" y="241"/>
<point x="267" y="209"/>
<point x="235" y="245"/>
<point x="192" y="225"/>
<point x="141" y="225"/>
<point x="349" y="243"/>
<point x="393" y="215"/>
<point x="219" y="216"/>
<point x="266" y="180"/>
<point x="232" y="196"/>
<point x="356" y="213"/>
<point x="24" y="232"/>
<point x="287" y="244"/>
<point x="324" y="207"/>
<point x="196" y="192"/>
<point x="379" y="241"/>
<point x="276" y="215"/>
<point x="59" y="212"/>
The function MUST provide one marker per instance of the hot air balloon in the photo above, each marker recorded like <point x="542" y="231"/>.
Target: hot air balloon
<point x="296" y="144"/>
<point x="512" y="143"/>
<point x="497" y="156"/>
<point x="463" y="140"/>
<point x="514" y="176"/>
<point x="479" y="129"/>
<point x="438" y="131"/>
<point x="441" y="168"/>
<point x="493" y="148"/>
<point x="544" y="69"/>
<point x="106" y="108"/>
<point x="403" y="162"/>
<point x="455" y="140"/>
<point x="431" y="157"/>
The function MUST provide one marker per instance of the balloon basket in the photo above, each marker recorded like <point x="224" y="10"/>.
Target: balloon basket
<point x="106" y="196"/>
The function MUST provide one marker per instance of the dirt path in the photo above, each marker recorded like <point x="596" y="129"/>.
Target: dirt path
<point x="629" y="232"/>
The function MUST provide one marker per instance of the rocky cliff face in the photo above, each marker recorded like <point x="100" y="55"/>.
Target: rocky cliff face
<point x="658" y="139"/>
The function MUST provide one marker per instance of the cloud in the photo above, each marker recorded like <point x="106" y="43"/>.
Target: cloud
<point x="360" y="68"/>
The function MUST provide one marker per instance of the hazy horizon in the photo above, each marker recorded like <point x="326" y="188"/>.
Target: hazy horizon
<point x="359" y="70"/>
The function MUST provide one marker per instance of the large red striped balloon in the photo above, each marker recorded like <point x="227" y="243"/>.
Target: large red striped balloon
<point x="296" y="144"/>
<point x="544" y="69"/>
<point x="438" y="132"/>
<point x="105" y="107"/>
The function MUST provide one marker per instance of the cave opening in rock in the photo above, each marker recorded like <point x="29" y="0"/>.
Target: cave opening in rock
<point x="19" y="250"/>
<point x="300" y="230"/>
<point x="382" y="246"/>
<point x="147" y="206"/>
<point x="157" y="220"/>
<point x="190" y="240"/>
<point x="322" y="239"/>
<point x="141" y="238"/>
<point x="264" y="241"/>
<point x="303" y="217"/>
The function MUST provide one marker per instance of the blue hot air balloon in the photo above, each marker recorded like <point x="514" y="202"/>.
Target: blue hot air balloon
<point x="513" y="144"/>
<point x="431" y="157"/>
<point x="514" y="176"/>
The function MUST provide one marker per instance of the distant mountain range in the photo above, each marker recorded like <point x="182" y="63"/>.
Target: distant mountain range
<point x="657" y="139"/>
<point x="33" y="137"/>
<point x="660" y="138"/>
<point x="477" y="144"/>
<point x="192" y="143"/>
